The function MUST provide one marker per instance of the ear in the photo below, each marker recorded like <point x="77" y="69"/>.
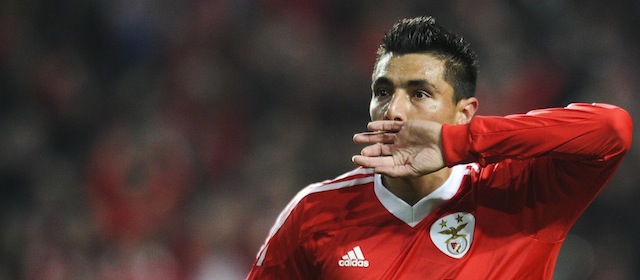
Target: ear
<point x="466" y="109"/>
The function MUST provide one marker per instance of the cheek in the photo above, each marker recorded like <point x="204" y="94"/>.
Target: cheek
<point x="433" y="110"/>
<point x="431" y="106"/>
<point x="376" y="110"/>
<point x="427" y="109"/>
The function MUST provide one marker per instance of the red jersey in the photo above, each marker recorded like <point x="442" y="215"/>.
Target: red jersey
<point x="517" y="185"/>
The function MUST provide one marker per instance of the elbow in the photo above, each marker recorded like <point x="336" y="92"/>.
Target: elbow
<point x="620" y="130"/>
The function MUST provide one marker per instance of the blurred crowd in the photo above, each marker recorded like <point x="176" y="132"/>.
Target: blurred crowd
<point x="158" y="139"/>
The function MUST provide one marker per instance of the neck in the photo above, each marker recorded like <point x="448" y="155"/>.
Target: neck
<point x="411" y="190"/>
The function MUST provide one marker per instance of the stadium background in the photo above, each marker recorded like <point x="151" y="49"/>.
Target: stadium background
<point x="157" y="139"/>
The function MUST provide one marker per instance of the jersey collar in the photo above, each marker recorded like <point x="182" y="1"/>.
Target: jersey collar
<point x="412" y="215"/>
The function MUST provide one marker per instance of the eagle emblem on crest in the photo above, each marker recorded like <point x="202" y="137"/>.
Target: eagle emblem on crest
<point x="453" y="233"/>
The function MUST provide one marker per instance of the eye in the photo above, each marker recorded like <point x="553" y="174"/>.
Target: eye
<point x="421" y="94"/>
<point x="381" y="92"/>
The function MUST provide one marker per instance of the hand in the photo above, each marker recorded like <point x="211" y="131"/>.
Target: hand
<point x="401" y="149"/>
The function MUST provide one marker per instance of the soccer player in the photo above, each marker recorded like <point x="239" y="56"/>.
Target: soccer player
<point x="441" y="193"/>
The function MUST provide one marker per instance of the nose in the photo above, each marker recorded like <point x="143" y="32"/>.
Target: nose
<point x="398" y="107"/>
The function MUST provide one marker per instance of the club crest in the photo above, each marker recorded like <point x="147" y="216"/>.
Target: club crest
<point x="453" y="233"/>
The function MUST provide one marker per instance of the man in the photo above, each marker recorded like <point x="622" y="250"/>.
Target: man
<point x="442" y="194"/>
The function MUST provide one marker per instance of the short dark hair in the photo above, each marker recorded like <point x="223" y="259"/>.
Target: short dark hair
<point x="423" y="35"/>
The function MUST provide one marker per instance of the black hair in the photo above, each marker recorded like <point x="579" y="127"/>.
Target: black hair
<point x="423" y="35"/>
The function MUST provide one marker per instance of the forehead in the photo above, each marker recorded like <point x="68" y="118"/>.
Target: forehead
<point x="413" y="66"/>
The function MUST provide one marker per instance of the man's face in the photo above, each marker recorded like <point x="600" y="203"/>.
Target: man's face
<point x="412" y="87"/>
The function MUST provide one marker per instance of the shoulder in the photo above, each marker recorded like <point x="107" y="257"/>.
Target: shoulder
<point x="354" y="177"/>
<point x="323" y="196"/>
<point x="357" y="177"/>
<point x="333" y="187"/>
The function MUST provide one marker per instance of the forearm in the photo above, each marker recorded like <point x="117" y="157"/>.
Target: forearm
<point x="595" y="132"/>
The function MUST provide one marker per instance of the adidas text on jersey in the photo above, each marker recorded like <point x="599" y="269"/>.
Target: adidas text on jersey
<point x="354" y="258"/>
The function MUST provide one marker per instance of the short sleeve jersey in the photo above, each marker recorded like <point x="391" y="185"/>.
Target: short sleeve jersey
<point x="517" y="185"/>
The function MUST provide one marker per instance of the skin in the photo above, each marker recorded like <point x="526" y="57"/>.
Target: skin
<point x="410" y="102"/>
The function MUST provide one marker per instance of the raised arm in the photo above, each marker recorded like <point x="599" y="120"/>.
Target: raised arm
<point x="589" y="132"/>
<point x="593" y="132"/>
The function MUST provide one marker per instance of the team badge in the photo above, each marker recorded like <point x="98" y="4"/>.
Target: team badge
<point x="453" y="233"/>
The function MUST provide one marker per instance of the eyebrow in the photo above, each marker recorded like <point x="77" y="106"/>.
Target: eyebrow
<point x="419" y="83"/>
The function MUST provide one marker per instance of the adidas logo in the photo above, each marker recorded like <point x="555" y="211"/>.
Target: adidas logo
<point x="354" y="258"/>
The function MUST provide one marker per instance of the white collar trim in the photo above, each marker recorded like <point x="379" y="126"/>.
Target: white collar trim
<point x="412" y="215"/>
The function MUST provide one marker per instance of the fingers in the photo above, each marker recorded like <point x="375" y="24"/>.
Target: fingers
<point x="372" y="162"/>
<point x="374" y="137"/>
<point x="380" y="132"/>
<point x="383" y="165"/>
<point x="388" y="126"/>
<point x="377" y="150"/>
<point x="378" y="155"/>
<point x="395" y="171"/>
